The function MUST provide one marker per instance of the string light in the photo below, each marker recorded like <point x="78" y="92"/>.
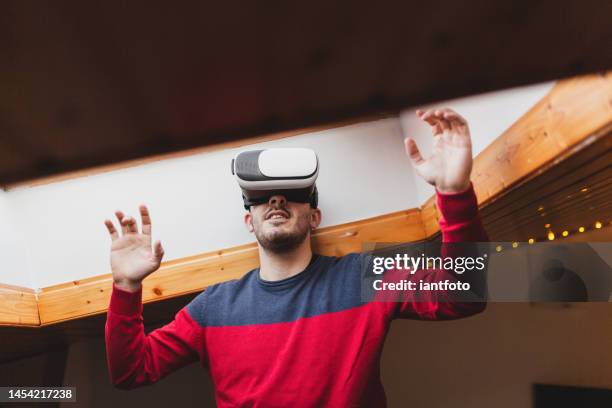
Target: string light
<point x="498" y="248"/>
<point x="584" y="190"/>
<point x="551" y="235"/>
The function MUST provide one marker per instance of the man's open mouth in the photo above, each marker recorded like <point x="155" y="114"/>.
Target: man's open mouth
<point x="277" y="214"/>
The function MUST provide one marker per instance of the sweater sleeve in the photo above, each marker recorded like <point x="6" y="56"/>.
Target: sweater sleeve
<point x="460" y="220"/>
<point x="460" y="223"/>
<point x="135" y="359"/>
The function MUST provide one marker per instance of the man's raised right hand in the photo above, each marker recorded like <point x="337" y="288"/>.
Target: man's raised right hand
<point x="133" y="258"/>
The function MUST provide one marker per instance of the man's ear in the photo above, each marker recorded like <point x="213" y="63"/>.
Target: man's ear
<point x="248" y="221"/>
<point x="315" y="218"/>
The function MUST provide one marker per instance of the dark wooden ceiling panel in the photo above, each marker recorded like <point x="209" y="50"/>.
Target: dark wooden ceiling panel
<point x="91" y="83"/>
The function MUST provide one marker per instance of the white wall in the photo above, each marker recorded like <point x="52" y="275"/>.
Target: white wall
<point x="15" y="267"/>
<point x="196" y="205"/>
<point x="488" y="115"/>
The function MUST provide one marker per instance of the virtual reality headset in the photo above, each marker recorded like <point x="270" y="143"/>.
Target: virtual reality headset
<point x="290" y="172"/>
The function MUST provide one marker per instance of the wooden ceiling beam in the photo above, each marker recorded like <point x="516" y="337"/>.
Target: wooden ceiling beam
<point x="18" y="306"/>
<point x="179" y="277"/>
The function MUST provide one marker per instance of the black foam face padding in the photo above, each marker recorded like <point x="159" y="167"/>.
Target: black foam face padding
<point x="302" y="195"/>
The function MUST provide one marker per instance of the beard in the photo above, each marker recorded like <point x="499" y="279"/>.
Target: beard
<point x="280" y="242"/>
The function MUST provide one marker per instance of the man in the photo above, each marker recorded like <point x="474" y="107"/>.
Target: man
<point x="294" y="332"/>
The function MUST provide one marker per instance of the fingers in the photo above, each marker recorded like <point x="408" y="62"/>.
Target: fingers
<point x="130" y="224"/>
<point x="442" y="120"/>
<point x="413" y="151"/>
<point x="444" y="123"/>
<point x="120" y="216"/>
<point x="429" y="117"/>
<point x="111" y="229"/>
<point x="146" y="219"/>
<point x="451" y="115"/>
<point x="158" y="250"/>
<point x="437" y="122"/>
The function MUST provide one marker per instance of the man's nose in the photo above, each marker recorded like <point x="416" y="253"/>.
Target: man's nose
<point x="278" y="201"/>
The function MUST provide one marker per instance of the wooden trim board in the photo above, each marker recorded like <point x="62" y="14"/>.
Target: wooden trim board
<point x="18" y="306"/>
<point x="90" y="296"/>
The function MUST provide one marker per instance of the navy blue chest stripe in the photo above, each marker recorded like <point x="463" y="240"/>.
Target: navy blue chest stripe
<point x="329" y="284"/>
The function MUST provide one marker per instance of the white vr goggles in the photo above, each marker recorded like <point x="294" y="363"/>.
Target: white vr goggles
<point x="290" y="172"/>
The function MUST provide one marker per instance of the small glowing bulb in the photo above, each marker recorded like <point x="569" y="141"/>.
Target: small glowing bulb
<point x="515" y="245"/>
<point x="598" y="225"/>
<point x="581" y="229"/>
<point x="584" y="190"/>
<point x="540" y="208"/>
<point x="498" y="248"/>
<point x="546" y="225"/>
<point x="531" y="241"/>
<point x="565" y="233"/>
<point x="551" y="236"/>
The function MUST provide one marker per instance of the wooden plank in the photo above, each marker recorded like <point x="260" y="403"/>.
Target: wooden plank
<point x="90" y="296"/>
<point x="174" y="278"/>
<point x="565" y="200"/>
<point x="573" y="110"/>
<point x="546" y="202"/>
<point x="574" y="191"/>
<point x="583" y="165"/>
<point x="520" y="227"/>
<point x="18" y="306"/>
<point x="430" y="216"/>
<point x="401" y="226"/>
<point x="565" y="196"/>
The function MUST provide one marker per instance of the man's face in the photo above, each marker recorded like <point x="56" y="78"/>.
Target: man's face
<point x="280" y="225"/>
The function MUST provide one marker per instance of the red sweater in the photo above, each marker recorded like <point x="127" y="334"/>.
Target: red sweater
<point x="305" y="341"/>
